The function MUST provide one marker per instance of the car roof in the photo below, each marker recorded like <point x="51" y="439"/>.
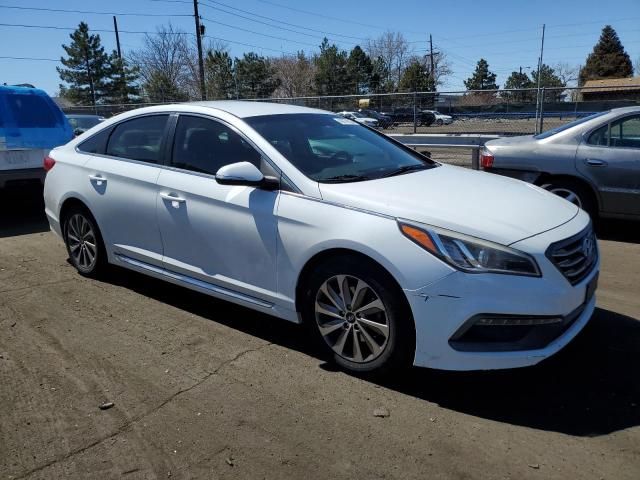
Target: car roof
<point x="244" y="109"/>
<point x="83" y="115"/>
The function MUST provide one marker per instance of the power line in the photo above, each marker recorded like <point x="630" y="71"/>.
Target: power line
<point x="91" y="12"/>
<point x="257" y="33"/>
<point x="333" y="34"/>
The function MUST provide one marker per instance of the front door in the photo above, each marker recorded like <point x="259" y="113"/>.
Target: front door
<point x="220" y="234"/>
<point x="610" y="159"/>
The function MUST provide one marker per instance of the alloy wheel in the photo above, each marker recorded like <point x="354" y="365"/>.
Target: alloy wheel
<point x="351" y="318"/>
<point x="82" y="242"/>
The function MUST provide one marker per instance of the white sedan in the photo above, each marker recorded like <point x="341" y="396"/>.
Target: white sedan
<point x="360" y="118"/>
<point x="388" y="257"/>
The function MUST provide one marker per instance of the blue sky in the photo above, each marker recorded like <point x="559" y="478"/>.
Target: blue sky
<point x="506" y="33"/>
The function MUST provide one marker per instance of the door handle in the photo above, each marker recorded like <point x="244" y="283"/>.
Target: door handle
<point x="99" y="179"/>
<point x="595" y="162"/>
<point x="174" y="199"/>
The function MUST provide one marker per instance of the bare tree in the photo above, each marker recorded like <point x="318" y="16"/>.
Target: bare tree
<point x="394" y="50"/>
<point x="165" y="65"/>
<point x="569" y="76"/>
<point x="295" y="74"/>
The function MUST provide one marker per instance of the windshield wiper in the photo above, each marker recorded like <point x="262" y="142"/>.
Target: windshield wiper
<point x="345" y="178"/>
<point x="405" y="169"/>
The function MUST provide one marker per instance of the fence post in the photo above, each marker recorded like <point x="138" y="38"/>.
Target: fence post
<point x="415" y="119"/>
<point x="541" y="111"/>
<point x="475" y="158"/>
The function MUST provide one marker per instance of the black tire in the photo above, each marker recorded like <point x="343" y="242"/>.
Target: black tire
<point x="566" y="187"/>
<point x="79" y="239"/>
<point x="399" y="347"/>
<point x="439" y="122"/>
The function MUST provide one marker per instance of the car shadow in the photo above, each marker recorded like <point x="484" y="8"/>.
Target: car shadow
<point x="591" y="388"/>
<point x="22" y="212"/>
<point x="618" y="230"/>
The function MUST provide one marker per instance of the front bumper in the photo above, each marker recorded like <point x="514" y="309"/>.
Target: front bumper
<point x="443" y="310"/>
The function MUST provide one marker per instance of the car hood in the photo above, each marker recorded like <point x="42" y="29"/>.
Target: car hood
<point x="479" y="204"/>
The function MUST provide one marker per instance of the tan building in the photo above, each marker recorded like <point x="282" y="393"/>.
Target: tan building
<point x="612" y="89"/>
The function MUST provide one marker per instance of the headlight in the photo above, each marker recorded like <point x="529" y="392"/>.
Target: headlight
<point x="470" y="254"/>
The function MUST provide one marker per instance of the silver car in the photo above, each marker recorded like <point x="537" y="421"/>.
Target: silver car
<point x="593" y="162"/>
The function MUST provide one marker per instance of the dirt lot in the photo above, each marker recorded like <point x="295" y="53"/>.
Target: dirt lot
<point x="204" y="389"/>
<point x="500" y="126"/>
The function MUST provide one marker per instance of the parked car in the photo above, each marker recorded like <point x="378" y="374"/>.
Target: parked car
<point x="406" y="115"/>
<point x="360" y="118"/>
<point x="81" y="123"/>
<point x="440" y="118"/>
<point x="593" y="162"/>
<point x="388" y="257"/>
<point x="30" y="125"/>
<point x="384" y="121"/>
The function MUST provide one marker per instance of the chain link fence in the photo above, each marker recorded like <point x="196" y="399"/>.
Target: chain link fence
<point x="500" y="112"/>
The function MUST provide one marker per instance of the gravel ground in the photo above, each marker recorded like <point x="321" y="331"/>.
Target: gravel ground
<point x="204" y="389"/>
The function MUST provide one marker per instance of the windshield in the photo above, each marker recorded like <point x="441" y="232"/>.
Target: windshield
<point x="333" y="149"/>
<point x="567" y="126"/>
<point x="356" y="114"/>
<point x="84" y="123"/>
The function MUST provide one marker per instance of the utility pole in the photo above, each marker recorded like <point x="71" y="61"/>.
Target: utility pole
<point x="539" y="100"/>
<point x="433" y="68"/>
<point x="125" y="96"/>
<point x="199" y="32"/>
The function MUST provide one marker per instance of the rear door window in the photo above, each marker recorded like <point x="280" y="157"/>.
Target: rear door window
<point x="97" y="143"/>
<point x="139" y="139"/>
<point x="31" y="111"/>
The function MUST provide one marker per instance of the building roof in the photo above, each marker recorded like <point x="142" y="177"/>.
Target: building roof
<point x="611" y="85"/>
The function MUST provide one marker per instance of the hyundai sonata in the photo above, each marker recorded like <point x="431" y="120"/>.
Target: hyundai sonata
<point x="388" y="257"/>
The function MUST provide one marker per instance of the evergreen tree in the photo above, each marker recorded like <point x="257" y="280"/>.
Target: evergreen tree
<point x="123" y="81"/>
<point x="416" y="78"/>
<point x="160" y="88"/>
<point x="379" y="72"/>
<point x="359" y="70"/>
<point x="549" y="79"/>
<point x="254" y="76"/>
<point x="608" y="59"/>
<point x="331" y="70"/>
<point x="218" y="71"/>
<point x="519" y="80"/>
<point x="87" y="68"/>
<point x="482" y="78"/>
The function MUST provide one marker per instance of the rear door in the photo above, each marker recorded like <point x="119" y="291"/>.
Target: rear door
<point x="610" y="158"/>
<point x="122" y="185"/>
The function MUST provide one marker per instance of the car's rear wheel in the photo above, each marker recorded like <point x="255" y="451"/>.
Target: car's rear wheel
<point x="84" y="242"/>
<point x="359" y="316"/>
<point x="439" y="122"/>
<point x="573" y="192"/>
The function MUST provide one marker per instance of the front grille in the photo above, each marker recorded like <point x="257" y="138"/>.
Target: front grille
<point x="576" y="256"/>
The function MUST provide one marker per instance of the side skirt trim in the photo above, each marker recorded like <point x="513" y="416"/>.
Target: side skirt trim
<point x="194" y="282"/>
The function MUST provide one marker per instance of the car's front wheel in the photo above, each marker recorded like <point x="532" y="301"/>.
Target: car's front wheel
<point x="84" y="242"/>
<point x="359" y="316"/>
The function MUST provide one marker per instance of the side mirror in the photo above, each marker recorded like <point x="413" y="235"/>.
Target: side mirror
<point x="245" y="173"/>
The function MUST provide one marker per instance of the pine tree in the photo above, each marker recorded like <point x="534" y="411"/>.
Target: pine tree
<point x="416" y="78"/>
<point x="519" y="80"/>
<point x="608" y="59"/>
<point x="359" y="70"/>
<point x="218" y="71"/>
<point x="331" y="70"/>
<point x="87" y="68"/>
<point x="482" y="78"/>
<point x="549" y="79"/>
<point x="123" y="81"/>
<point x="254" y="76"/>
